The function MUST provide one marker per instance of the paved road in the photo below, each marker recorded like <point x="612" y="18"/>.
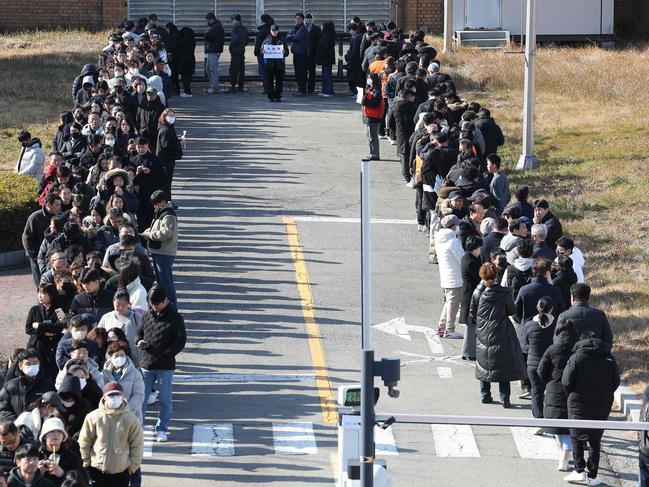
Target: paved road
<point x="265" y="191"/>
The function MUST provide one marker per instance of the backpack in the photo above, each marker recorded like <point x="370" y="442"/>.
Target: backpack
<point x="516" y="279"/>
<point x="643" y="436"/>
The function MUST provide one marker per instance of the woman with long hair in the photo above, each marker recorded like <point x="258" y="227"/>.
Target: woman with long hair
<point x="373" y="107"/>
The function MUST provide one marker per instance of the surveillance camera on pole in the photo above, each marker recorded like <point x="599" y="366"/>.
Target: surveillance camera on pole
<point x="527" y="159"/>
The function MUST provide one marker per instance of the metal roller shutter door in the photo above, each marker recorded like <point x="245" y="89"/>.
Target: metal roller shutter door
<point x="378" y="11"/>
<point x="143" y="8"/>
<point x="323" y="10"/>
<point x="283" y="12"/>
<point x="247" y="10"/>
<point x="191" y="13"/>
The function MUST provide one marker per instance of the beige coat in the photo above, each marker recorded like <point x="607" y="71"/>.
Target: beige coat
<point x="111" y="440"/>
<point x="164" y="229"/>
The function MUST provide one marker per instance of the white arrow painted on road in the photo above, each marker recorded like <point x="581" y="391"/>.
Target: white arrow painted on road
<point x="398" y="327"/>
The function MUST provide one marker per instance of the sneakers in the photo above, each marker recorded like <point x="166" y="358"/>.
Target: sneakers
<point x="393" y="142"/>
<point x="421" y="228"/>
<point x="487" y="400"/>
<point x="525" y="394"/>
<point x="563" y="466"/>
<point x="161" y="437"/>
<point x="507" y="404"/>
<point x="441" y="329"/>
<point x="211" y="91"/>
<point x="325" y="95"/>
<point x="576" y="477"/>
<point x="188" y="95"/>
<point x="153" y="398"/>
<point x="452" y="335"/>
<point x="594" y="481"/>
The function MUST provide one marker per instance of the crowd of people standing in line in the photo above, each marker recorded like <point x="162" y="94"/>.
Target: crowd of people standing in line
<point x="105" y="329"/>
<point x="507" y="271"/>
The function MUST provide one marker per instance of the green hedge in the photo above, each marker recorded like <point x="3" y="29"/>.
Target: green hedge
<point x="18" y="200"/>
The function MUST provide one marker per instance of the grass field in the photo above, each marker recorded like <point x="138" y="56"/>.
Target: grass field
<point x="591" y="133"/>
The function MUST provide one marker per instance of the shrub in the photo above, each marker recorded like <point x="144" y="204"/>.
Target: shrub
<point x="18" y="199"/>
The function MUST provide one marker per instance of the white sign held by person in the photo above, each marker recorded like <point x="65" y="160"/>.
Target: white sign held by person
<point x="273" y="51"/>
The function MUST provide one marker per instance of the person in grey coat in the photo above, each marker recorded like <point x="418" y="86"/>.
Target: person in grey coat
<point x="214" y="39"/>
<point x="238" y="42"/>
<point x="499" y="186"/>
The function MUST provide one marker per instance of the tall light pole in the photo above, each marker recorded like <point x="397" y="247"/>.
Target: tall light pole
<point x="527" y="159"/>
<point x="448" y="26"/>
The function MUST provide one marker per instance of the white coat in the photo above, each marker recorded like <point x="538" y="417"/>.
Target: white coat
<point x="449" y="257"/>
<point x="33" y="161"/>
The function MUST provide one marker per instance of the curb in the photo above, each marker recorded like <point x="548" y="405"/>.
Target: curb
<point x="12" y="259"/>
<point x="629" y="402"/>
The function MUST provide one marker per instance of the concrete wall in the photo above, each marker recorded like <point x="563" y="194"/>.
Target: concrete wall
<point x="46" y="14"/>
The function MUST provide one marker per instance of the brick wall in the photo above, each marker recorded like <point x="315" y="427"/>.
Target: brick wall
<point x="46" y="14"/>
<point x="415" y="14"/>
<point x="631" y="18"/>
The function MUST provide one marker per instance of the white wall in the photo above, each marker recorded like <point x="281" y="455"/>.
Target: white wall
<point x="555" y="17"/>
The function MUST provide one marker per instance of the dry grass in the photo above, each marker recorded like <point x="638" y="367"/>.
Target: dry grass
<point x="591" y="128"/>
<point x="36" y="73"/>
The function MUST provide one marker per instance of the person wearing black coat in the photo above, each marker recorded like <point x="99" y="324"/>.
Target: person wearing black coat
<point x="160" y="337"/>
<point x="353" y="60"/>
<point x="311" y="53"/>
<point x="34" y="232"/>
<point x="77" y="407"/>
<point x="214" y="41"/>
<point x="400" y="121"/>
<point x="274" y="69"/>
<point x="148" y="115"/>
<point x="586" y="318"/>
<point x="150" y="176"/>
<point x="44" y="329"/>
<point x="563" y="276"/>
<point x="168" y="147"/>
<point x="186" y="59"/>
<point x="326" y="57"/>
<point x="263" y="31"/>
<point x="470" y="268"/>
<point x="95" y="300"/>
<point x="550" y="372"/>
<point x="491" y="132"/>
<point x="542" y="214"/>
<point x="537" y="335"/>
<point x="24" y="390"/>
<point x="590" y="378"/>
<point x="529" y="295"/>
<point x="172" y="43"/>
<point x="60" y="448"/>
<point x="87" y="70"/>
<point x="498" y="353"/>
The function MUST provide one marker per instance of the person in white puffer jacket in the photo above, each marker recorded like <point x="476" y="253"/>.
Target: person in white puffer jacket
<point x="449" y="257"/>
<point x="32" y="159"/>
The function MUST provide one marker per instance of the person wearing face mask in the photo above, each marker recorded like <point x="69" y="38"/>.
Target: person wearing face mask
<point x="120" y="368"/>
<point x="79" y="325"/>
<point x="111" y="440"/>
<point x="274" y="68"/>
<point x="75" y="146"/>
<point x="24" y="390"/>
<point x="124" y="319"/>
<point x="57" y="452"/>
<point x="77" y="407"/>
<point x="168" y="146"/>
<point x="90" y="379"/>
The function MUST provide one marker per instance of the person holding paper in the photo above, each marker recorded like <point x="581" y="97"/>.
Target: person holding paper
<point x="274" y="49"/>
<point x="372" y="104"/>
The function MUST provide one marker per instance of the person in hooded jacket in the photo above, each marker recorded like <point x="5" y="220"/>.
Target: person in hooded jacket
<point x="44" y="328"/>
<point x="519" y="273"/>
<point x="491" y="132"/>
<point x="168" y="146"/>
<point x="263" y="31"/>
<point x="550" y="372"/>
<point x="87" y="70"/>
<point x="590" y="378"/>
<point x="31" y="161"/>
<point x="25" y="389"/>
<point x="449" y="255"/>
<point x="59" y="453"/>
<point x="274" y="69"/>
<point x="498" y="353"/>
<point x="148" y="116"/>
<point x="537" y="336"/>
<point x="62" y="134"/>
<point x="77" y="407"/>
<point x="75" y="146"/>
<point x="90" y="379"/>
<point x="470" y="279"/>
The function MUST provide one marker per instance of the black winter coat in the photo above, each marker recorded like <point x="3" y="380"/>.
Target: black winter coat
<point x="263" y="31"/>
<point x="490" y="242"/>
<point x="555" y="231"/>
<point x="165" y="337"/>
<point x="45" y="338"/>
<point x="147" y="118"/>
<point x="493" y="136"/>
<point x="498" y="354"/>
<point x="214" y="38"/>
<point x="470" y="267"/>
<point x="168" y="147"/>
<point x="589" y="319"/>
<point x="34" y="231"/>
<point x="590" y="378"/>
<point x="400" y="120"/>
<point x="97" y="305"/>
<point x="314" y="40"/>
<point x="67" y="459"/>
<point x="466" y="229"/>
<point x="529" y="295"/>
<point x="75" y="414"/>
<point x="536" y="340"/>
<point x="185" y="57"/>
<point x="563" y="280"/>
<point x="543" y="251"/>
<point x="19" y="393"/>
<point x="326" y="50"/>
<point x="550" y="371"/>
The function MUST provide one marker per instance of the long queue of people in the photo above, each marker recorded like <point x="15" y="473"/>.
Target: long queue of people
<point x="507" y="271"/>
<point x="105" y="330"/>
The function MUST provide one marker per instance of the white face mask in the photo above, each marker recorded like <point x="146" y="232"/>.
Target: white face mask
<point x="68" y="404"/>
<point x="170" y="120"/>
<point x="113" y="402"/>
<point x="82" y="383"/>
<point x="110" y="142"/>
<point x="31" y="370"/>
<point x="369" y="82"/>
<point x="118" y="362"/>
<point x="79" y="335"/>
<point x="134" y="71"/>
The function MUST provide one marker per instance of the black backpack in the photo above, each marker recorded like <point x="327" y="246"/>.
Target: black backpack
<point x="516" y="279"/>
<point x="643" y="436"/>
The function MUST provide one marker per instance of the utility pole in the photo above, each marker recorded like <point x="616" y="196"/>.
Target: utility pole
<point x="527" y="159"/>
<point x="448" y="26"/>
<point x="367" y="371"/>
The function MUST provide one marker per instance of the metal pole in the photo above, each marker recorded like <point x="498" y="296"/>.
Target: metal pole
<point x="448" y="26"/>
<point x="527" y="159"/>
<point x="367" y="363"/>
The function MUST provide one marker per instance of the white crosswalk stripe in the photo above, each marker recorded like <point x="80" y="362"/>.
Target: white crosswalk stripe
<point x="149" y="436"/>
<point x="294" y="439"/>
<point x="536" y="447"/>
<point x="454" y="441"/>
<point x="384" y="441"/>
<point x="215" y="440"/>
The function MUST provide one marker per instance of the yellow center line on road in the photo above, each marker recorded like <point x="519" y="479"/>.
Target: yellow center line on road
<point x="323" y="384"/>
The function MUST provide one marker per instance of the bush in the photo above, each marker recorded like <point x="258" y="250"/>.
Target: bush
<point x="18" y="200"/>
